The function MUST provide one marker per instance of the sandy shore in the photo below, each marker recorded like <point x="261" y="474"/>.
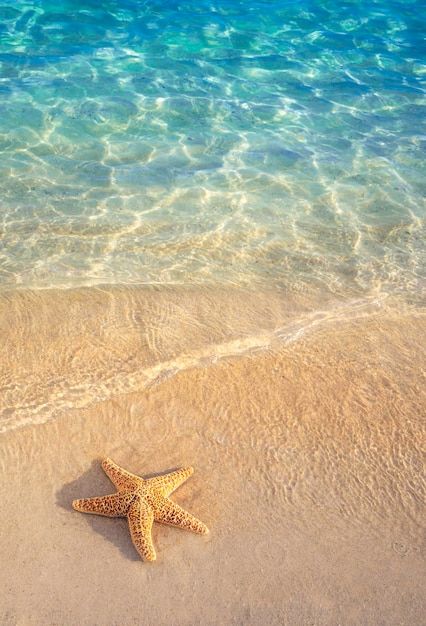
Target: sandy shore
<point x="307" y="456"/>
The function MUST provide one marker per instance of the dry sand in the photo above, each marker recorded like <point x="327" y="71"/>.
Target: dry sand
<point x="307" y="448"/>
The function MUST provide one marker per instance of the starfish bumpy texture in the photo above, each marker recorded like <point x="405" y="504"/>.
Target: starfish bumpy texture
<point x="142" y="502"/>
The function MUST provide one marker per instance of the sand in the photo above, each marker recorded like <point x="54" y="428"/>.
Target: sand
<point x="306" y="441"/>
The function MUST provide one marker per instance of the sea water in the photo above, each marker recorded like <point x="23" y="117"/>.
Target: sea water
<point x="199" y="142"/>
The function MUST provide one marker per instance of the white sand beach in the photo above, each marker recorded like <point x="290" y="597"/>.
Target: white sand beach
<point x="307" y="455"/>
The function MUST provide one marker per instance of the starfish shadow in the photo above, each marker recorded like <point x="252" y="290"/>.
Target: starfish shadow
<point x="94" y="483"/>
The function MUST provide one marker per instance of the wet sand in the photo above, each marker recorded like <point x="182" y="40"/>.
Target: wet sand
<point x="306" y="441"/>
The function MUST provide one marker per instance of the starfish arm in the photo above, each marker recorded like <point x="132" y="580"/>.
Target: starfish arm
<point x="169" y="512"/>
<point x="169" y="482"/>
<point x="115" y="505"/>
<point x="141" y="518"/>
<point x="123" y="480"/>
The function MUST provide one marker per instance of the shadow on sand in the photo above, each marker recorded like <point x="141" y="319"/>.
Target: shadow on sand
<point x="94" y="483"/>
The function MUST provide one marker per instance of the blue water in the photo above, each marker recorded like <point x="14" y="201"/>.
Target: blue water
<point x="202" y="142"/>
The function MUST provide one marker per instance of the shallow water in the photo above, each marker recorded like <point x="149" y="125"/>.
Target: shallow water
<point x="273" y="143"/>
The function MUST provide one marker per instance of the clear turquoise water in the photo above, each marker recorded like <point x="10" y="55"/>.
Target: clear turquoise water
<point x="201" y="142"/>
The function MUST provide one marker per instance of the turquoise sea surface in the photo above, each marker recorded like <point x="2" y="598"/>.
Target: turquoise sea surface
<point x="228" y="142"/>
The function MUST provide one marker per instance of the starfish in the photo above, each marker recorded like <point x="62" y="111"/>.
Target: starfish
<point x="142" y="501"/>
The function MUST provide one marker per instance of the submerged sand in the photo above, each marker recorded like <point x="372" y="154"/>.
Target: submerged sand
<point x="306" y="440"/>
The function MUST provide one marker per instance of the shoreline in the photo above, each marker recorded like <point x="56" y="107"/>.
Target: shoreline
<point x="65" y="349"/>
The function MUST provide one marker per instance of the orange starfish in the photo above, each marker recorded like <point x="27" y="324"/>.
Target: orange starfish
<point x="142" y="502"/>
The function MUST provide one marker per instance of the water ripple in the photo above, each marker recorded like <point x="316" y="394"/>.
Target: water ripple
<point x="152" y="143"/>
